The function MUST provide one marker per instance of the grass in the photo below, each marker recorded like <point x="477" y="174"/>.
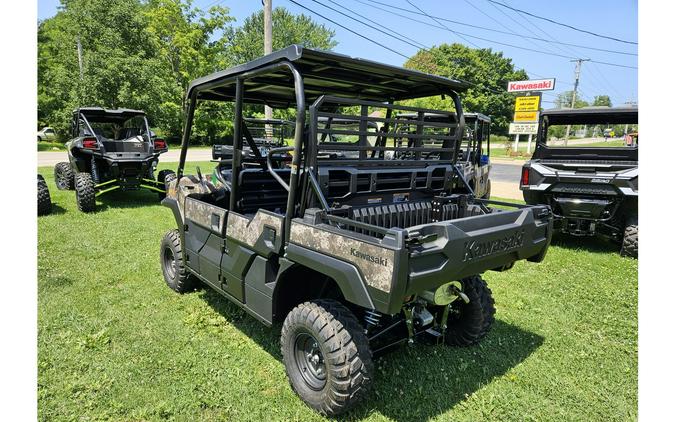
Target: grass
<point x="50" y="146"/>
<point x="114" y="343"/>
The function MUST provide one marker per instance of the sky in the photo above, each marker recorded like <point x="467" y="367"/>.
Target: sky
<point x="612" y="18"/>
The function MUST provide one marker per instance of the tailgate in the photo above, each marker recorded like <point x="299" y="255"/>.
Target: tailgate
<point x="451" y="250"/>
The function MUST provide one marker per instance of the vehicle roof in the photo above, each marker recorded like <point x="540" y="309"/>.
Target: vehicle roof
<point x="105" y="115"/>
<point x="590" y="115"/>
<point x="323" y="72"/>
<point x="113" y="112"/>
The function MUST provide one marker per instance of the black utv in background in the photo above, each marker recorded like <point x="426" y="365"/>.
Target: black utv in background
<point x="590" y="183"/>
<point x="359" y="245"/>
<point x="110" y="150"/>
<point x="473" y="156"/>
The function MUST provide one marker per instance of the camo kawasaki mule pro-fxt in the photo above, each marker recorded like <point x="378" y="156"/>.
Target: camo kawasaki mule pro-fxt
<point x="590" y="183"/>
<point x="110" y="150"/>
<point x="354" y="252"/>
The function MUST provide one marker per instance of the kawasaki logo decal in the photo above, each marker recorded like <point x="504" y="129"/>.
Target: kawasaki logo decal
<point x="371" y="258"/>
<point x="479" y="249"/>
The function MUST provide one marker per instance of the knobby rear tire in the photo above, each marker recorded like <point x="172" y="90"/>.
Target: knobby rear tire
<point x="85" y="192"/>
<point x="64" y="176"/>
<point x="44" y="201"/>
<point x="176" y="274"/>
<point x="344" y="349"/>
<point x="473" y="320"/>
<point x="629" y="245"/>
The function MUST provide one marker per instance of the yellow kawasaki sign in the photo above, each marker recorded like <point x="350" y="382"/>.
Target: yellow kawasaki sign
<point x="526" y="116"/>
<point x="529" y="103"/>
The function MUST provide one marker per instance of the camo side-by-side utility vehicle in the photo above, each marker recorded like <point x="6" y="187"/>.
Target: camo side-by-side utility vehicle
<point x="590" y="184"/>
<point x="473" y="157"/>
<point x="265" y="133"/>
<point x="110" y="149"/>
<point x="355" y="252"/>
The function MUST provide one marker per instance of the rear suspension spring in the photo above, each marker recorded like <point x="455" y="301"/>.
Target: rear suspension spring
<point x="372" y="318"/>
<point x="94" y="171"/>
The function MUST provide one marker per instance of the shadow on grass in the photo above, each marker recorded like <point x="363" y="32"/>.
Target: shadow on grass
<point x="586" y="243"/>
<point x="415" y="382"/>
<point x="129" y="199"/>
<point x="57" y="209"/>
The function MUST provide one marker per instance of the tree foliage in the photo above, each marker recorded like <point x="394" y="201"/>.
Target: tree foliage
<point x="143" y="54"/>
<point x="247" y="41"/>
<point x="602" y="100"/>
<point x="564" y="100"/>
<point x="488" y="73"/>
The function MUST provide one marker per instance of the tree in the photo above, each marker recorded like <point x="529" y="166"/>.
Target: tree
<point x="135" y="55"/>
<point x="185" y="41"/>
<point x="564" y="100"/>
<point x="602" y="100"/>
<point x="287" y="29"/>
<point x="488" y="73"/>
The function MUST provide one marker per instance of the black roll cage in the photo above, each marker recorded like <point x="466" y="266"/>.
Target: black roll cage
<point x="309" y="180"/>
<point x="80" y="114"/>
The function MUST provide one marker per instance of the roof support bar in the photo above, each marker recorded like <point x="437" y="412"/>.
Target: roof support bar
<point x="237" y="144"/>
<point x="186" y="135"/>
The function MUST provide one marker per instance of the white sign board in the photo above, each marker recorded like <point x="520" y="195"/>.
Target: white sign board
<point x="523" y="128"/>
<point x="533" y="85"/>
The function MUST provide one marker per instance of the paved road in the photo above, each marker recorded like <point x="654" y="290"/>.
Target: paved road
<point x="49" y="158"/>
<point x="506" y="171"/>
<point x="505" y="177"/>
<point x="505" y="174"/>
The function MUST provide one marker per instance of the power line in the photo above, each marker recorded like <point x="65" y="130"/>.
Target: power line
<point x="501" y="92"/>
<point x="542" y="31"/>
<point x="501" y="24"/>
<point x="350" y="30"/>
<point x="484" y="39"/>
<point x="562" y="24"/>
<point x="491" y="29"/>
<point x="413" y="43"/>
<point x="444" y="26"/>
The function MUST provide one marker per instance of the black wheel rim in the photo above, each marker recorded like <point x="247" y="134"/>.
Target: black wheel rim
<point x="169" y="263"/>
<point x="310" y="362"/>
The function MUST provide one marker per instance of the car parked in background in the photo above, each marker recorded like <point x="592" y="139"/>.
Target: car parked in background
<point x="46" y="134"/>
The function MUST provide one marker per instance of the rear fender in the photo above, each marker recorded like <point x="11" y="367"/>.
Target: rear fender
<point x="346" y="275"/>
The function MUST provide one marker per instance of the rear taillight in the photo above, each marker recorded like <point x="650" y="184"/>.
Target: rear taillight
<point x="89" y="143"/>
<point x="525" y="176"/>
<point x="160" y="144"/>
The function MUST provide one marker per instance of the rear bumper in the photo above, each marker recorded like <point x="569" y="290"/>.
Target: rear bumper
<point x="473" y="245"/>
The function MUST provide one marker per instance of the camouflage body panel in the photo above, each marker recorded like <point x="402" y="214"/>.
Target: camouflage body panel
<point x="179" y="189"/>
<point x="375" y="263"/>
<point x="202" y="214"/>
<point x="249" y="231"/>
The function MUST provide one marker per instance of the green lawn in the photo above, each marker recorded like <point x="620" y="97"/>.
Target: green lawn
<point x="50" y="146"/>
<point x="114" y="343"/>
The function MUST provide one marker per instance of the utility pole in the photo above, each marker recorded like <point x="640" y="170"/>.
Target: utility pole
<point x="267" y="15"/>
<point x="577" y="73"/>
<point x="79" y="57"/>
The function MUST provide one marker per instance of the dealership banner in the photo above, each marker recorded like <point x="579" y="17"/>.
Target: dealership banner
<point x="532" y="85"/>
